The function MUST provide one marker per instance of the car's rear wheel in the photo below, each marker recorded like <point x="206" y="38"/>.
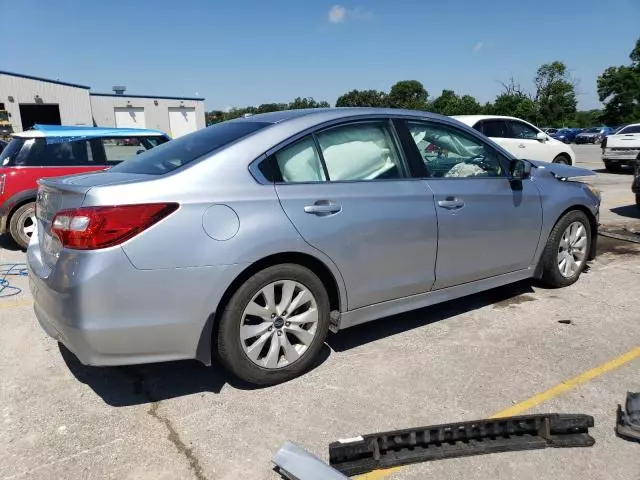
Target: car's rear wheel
<point x="567" y="250"/>
<point x="612" y="166"/>
<point x="274" y="325"/>
<point x="23" y="224"/>
<point x="563" y="159"/>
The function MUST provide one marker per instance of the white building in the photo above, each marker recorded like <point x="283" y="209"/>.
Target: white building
<point x="29" y="100"/>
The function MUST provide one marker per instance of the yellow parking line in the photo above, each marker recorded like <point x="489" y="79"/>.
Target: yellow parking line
<point x="536" y="400"/>
<point x="14" y="303"/>
<point x="569" y="384"/>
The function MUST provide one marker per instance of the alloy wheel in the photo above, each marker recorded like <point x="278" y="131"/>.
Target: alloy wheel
<point x="279" y="324"/>
<point x="29" y="225"/>
<point x="572" y="250"/>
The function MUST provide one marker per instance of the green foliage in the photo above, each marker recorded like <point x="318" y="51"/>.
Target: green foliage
<point x="448" y="103"/>
<point x="409" y="94"/>
<point x="307" y="102"/>
<point x="514" y="105"/>
<point x="362" y="98"/>
<point x="587" y="118"/>
<point x="619" y="90"/>
<point x="555" y="97"/>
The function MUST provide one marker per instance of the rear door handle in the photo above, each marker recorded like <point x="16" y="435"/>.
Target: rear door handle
<point x="322" y="208"/>
<point x="451" y="204"/>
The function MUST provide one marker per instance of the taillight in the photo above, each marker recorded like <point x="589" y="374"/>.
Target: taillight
<point x="90" y="228"/>
<point x="3" y="176"/>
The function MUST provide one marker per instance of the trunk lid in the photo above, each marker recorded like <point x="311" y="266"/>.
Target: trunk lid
<point x="630" y="141"/>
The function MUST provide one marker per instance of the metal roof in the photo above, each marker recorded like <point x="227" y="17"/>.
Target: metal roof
<point x="41" y="79"/>
<point x="159" y="97"/>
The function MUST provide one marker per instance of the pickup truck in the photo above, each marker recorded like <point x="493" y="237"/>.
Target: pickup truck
<point x="622" y="148"/>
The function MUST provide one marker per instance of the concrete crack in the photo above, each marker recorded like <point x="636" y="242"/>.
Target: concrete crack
<point x="173" y="435"/>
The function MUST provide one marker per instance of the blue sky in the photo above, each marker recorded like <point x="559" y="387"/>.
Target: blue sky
<point x="246" y="52"/>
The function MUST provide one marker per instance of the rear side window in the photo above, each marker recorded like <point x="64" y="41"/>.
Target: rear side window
<point x="630" y="129"/>
<point x="300" y="162"/>
<point x="494" y="128"/>
<point x="184" y="150"/>
<point x="118" y="149"/>
<point x="36" y="152"/>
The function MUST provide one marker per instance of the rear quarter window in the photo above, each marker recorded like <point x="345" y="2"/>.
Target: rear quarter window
<point x="184" y="150"/>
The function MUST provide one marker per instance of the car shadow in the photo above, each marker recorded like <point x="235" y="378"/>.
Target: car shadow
<point x="154" y="382"/>
<point x="141" y="384"/>
<point x="7" y="243"/>
<point x="624" y="170"/>
<point x="501" y="297"/>
<point x="629" y="211"/>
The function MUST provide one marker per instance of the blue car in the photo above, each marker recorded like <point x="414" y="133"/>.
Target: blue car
<point x="566" y="135"/>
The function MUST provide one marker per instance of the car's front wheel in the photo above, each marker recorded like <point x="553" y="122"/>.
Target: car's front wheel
<point x="563" y="159"/>
<point x="23" y="224"/>
<point x="274" y="325"/>
<point x="567" y="250"/>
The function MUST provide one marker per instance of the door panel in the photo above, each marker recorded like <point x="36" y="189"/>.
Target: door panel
<point x="495" y="231"/>
<point x="382" y="235"/>
<point x="529" y="147"/>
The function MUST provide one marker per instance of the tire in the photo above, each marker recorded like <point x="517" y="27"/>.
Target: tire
<point x="563" y="159"/>
<point x="22" y="224"/>
<point x="612" y="166"/>
<point x="234" y="350"/>
<point x="552" y="276"/>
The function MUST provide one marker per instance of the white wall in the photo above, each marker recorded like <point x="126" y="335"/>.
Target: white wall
<point x="156" y="116"/>
<point x="74" y="103"/>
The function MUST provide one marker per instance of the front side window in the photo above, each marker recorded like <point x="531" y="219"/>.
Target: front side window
<point x="494" y="128"/>
<point x="523" y="131"/>
<point x="450" y="153"/>
<point x="117" y="149"/>
<point x="364" y="151"/>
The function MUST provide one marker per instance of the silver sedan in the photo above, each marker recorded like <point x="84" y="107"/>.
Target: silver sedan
<point x="252" y="239"/>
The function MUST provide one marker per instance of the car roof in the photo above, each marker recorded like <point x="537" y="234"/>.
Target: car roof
<point x="471" y="120"/>
<point x="66" y="131"/>
<point x="320" y="115"/>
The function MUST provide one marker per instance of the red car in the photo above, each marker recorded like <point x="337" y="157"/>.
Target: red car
<point x="54" y="151"/>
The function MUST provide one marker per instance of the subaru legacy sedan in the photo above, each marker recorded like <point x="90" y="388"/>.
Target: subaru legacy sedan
<point x="253" y="238"/>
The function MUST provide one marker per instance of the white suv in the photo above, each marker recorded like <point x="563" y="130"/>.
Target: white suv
<point x="520" y="138"/>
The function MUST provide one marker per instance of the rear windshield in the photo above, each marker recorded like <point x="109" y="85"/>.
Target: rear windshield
<point x="630" y="129"/>
<point x="177" y="153"/>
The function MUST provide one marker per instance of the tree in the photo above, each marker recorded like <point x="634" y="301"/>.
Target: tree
<point x="619" y="90"/>
<point x="587" y="118"/>
<point x="514" y="105"/>
<point x="362" y="98"/>
<point x="555" y="94"/>
<point x="448" y="103"/>
<point x="409" y="94"/>
<point x="307" y="102"/>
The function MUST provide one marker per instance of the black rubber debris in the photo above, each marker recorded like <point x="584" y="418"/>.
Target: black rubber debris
<point x="565" y="322"/>
<point x="400" y="447"/>
<point x="628" y="422"/>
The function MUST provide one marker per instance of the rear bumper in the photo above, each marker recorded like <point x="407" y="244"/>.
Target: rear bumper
<point x="109" y="313"/>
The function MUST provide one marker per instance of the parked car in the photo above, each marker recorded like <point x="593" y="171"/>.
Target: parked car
<point x="566" y="135"/>
<point x="622" y="148"/>
<point x="64" y="150"/>
<point x="520" y="138"/>
<point x="549" y="131"/>
<point x="593" y="135"/>
<point x="250" y="239"/>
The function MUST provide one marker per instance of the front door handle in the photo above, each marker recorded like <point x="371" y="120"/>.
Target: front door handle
<point x="522" y="146"/>
<point x="451" y="204"/>
<point x="322" y="208"/>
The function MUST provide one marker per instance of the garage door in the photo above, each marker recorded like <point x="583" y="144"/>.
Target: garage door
<point x="129" y="117"/>
<point x="182" y="121"/>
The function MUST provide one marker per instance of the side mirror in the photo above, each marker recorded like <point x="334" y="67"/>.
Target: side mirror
<point x="519" y="169"/>
<point x="542" y="137"/>
<point x="138" y="152"/>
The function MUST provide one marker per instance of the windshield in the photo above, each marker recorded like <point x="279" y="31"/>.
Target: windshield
<point x="630" y="129"/>
<point x="177" y="153"/>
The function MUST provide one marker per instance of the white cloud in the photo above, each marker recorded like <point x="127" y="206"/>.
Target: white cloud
<point x="339" y="14"/>
<point x="478" y="46"/>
